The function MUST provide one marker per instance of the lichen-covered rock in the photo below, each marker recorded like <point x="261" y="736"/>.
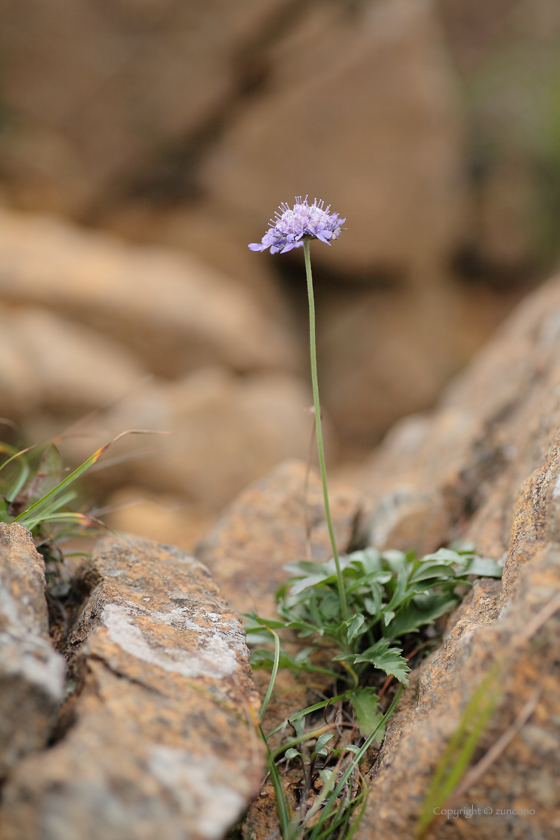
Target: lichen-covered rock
<point x="31" y="672"/>
<point x="524" y="777"/>
<point x="160" y="738"/>
<point x="486" y="468"/>
<point x="274" y="522"/>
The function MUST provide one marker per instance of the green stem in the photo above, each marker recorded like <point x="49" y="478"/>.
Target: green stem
<point x="319" y="429"/>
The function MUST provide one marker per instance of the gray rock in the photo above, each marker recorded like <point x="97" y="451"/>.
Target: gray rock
<point x="160" y="739"/>
<point x="485" y="468"/>
<point x="31" y="672"/>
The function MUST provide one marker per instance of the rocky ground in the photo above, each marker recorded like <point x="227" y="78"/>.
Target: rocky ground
<point x="156" y="734"/>
<point x="143" y="145"/>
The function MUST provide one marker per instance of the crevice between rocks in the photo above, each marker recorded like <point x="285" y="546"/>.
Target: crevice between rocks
<point x="81" y="588"/>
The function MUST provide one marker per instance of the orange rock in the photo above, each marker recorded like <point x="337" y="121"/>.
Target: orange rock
<point x="172" y="311"/>
<point x="276" y="521"/>
<point x="160" y="729"/>
<point x="484" y="467"/>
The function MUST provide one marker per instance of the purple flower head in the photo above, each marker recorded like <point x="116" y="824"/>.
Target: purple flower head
<point x="290" y="227"/>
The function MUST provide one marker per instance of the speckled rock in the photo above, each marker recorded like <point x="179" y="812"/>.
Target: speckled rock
<point x="486" y="468"/>
<point x="159" y="738"/>
<point x="31" y="672"/>
<point x="524" y="777"/>
<point x="276" y="521"/>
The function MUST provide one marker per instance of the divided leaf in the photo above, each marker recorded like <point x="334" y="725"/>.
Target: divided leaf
<point x="386" y="658"/>
<point x="365" y="703"/>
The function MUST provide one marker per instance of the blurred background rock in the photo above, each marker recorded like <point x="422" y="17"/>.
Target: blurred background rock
<point x="144" y="143"/>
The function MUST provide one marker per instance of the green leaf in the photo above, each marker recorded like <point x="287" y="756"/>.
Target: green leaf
<point x="331" y="801"/>
<point x="394" y="558"/>
<point x="254" y="637"/>
<point x="282" y="801"/>
<point x="484" y="567"/>
<point x="365" y="703"/>
<point x="265" y="660"/>
<point x="330" y="606"/>
<point x="402" y="579"/>
<point x="262" y="659"/>
<point x="431" y="570"/>
<point x="307" y="582"/>
<point x="47" y="511"/>
<point x="388" y="616"/>
<point x="44" y="504"/>
<point x="49" y="472"/>
<point x="291" y="753"/>
<point x="422" y="609"/>
<point x="444" y="555"/>
<point x="371" y="577"/>
<point x="256" y="622"/>
<point x="321" y="741"/>
<point x="353" y="626"/>
<point x="369" y="559"/>
<point x="302" y="568"/>
<point x="302" y="657"/>
<point x="386" y="658"/>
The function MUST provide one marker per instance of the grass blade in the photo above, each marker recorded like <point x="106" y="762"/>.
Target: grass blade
<point x="273" y="675"/>
<point x="352" y="766"/>
<point x="282" y="803"/>
<point x="41" y="504"/>
<point x="461" y="746"/>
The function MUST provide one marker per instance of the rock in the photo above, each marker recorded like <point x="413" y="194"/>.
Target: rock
<point x="523" y="778"/>
<point x="361" y="110"/>
<point x="210" y="234"/>
<point x="380" y="357"/>
<point x="32" y="674"/>
<point x="48" y="362"/>
<point x="225" y="433"/>
<point x="160" y="729"/>
<point x="173" y="312"/>
<point x="484" y="468"/>
<point x="458" y="472"/>
<point x="98" y="94"/>
<point x="276" y="521"/>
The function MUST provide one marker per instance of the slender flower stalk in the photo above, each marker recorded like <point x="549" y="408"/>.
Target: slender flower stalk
<point x="319" y="427"/>
<point x="294" y="229"/>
